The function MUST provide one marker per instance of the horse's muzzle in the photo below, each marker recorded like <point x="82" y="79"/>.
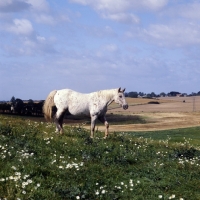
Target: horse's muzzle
<point x="125" y="107"/>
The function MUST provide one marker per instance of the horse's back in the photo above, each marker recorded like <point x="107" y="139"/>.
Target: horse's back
<point x="66" y="95"/>
<point x="76" y="103"/>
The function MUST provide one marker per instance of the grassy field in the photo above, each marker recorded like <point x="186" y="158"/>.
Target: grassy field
<point x="36" y="163"/>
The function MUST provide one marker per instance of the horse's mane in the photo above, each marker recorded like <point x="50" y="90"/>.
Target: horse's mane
<point x="108" y="94"/>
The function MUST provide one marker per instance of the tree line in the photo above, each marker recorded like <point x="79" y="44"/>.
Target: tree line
<point x="162" y="94"/>
<point x="18" y="106"/>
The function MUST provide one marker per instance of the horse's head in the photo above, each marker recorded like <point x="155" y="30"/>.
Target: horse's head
<point x="120" y="99"/>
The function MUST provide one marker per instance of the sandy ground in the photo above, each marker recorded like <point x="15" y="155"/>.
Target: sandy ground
<point x="170" y="113"/>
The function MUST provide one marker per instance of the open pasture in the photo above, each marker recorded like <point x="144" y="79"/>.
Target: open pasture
<point x="168" y="113"/>
<point x="38" y="164"/>
<point x="165" y="104"/>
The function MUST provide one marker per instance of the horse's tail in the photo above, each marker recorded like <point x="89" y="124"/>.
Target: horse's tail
<point x="48" y="104"/>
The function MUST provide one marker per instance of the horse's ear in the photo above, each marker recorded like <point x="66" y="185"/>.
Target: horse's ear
<point x="119" y="90"/>
<point x="123" y="89"/>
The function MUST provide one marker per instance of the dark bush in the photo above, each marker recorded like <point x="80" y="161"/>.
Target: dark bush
<point x="153" y="102"/>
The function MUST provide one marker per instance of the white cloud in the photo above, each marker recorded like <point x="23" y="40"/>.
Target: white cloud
<point x="109" y="5"/>
<point x="37" y="45"/>
<point x="152" y="4"/>
<point x="20" y="26"/>
<point x="111" y="47"/>
<point x="188" y="11"/>
<point x="191" y="11"/>
<point x="51" y="19"/>
<point x="45" y="19"/>
<point x="122" y="11"/>
<point x="122" y="5"/>
<point x="39" y="5"/>
<point x="40" y="38"/>
<point x="175" y="34"/>
<point x="122" y="17"/>
<point x="19" y="5"/>
<point x="5" y="2"/>
<point x="13" y="5"/>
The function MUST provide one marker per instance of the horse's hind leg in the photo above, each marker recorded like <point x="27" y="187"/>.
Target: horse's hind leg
<point x="61" y="122"/>
<point x="59" y="116"/>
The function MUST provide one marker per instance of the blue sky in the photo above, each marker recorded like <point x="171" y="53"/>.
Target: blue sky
<point x="88" y="45"/>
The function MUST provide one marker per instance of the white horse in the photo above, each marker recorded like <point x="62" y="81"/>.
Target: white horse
<point x="93" y="104"/>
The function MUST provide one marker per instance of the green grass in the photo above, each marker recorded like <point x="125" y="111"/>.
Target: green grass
<point x="179" y="136"/>
<point x="36" y="163"/>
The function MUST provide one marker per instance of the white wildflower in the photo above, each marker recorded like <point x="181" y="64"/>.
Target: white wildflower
<point x="29" y="181"/>
<point x="103" y="192"/>
<point x="13" y="167"/>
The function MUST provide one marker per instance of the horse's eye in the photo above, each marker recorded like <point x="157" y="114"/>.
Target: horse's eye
<point x="120" y="96"/>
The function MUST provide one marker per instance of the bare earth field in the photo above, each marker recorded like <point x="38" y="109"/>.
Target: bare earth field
<point x="170" y="113"/>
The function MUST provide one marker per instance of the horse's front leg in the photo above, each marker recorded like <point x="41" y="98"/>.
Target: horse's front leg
<point x="93" y="122"/>
<point x="104" y="121"/>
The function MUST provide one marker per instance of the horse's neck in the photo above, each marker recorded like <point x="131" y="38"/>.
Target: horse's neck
<point x="107" y="95"/>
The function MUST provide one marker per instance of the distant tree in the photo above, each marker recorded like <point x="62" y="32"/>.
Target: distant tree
<point x="184" y="94"/>
<point x="173" y="93"/>
<point x="30" y="101"/>
<point x="126" y="94"/>
<point x="39" y="107"/>
<point x="148" y="95"/>
<point x="162" y="94"/>
<point x="18" y="106"/>
<point x="153" y="94"/>
<point x="193" y="94"/>
<point x="141" y="94"/>
<point x="133" y="94"/>
<point x="12" y="100"/>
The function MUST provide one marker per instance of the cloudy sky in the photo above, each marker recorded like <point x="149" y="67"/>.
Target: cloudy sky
<point x="88" y="45"/>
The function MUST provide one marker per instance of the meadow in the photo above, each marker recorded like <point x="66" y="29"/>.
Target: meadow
<point x="36" y="163"/>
